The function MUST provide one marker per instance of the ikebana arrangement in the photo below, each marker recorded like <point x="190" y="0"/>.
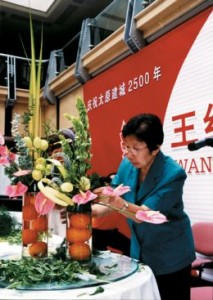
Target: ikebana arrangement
<point x="44" y="178"/>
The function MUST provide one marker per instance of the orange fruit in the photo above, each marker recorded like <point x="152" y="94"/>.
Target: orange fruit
<point x="80" y="221"/>
<point x="38" y="249"/>
<point x="40" y="224"/>
<point x="29" y="199"/>
<point x="29" y="212"/>
<point x="26" y="224"/>
<point x="29" y="236"/>
<point x="79" y="251"/>
<point x="78" y="235"/>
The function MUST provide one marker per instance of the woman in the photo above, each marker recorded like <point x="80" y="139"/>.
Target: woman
<point x="156" y="182"/>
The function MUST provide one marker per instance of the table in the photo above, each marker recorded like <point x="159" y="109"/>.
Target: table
<point x="140" y="285"/>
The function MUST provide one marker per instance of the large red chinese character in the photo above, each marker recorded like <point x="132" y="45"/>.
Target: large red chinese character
<point x="183" y="129"/>
<point x="209" y="119"/>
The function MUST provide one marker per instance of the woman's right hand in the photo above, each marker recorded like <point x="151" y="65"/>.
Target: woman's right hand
<point x="103" y="199"/>
<point x="100" y="210"/>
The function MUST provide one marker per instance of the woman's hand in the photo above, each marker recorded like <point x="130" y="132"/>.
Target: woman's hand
<point x="102" y="204"/>
<point x="100" y="210"/>
<point x="103" y="199"/>
<point x="113" y="202"/>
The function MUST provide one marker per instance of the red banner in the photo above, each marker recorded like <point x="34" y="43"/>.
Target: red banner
<point x="142" y="82"/>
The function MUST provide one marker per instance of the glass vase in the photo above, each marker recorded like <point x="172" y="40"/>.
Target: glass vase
<point x="34" y="229"/>
<point x="79" y="232"/>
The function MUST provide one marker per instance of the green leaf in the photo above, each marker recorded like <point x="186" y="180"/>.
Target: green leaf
<point x="98" y="290"/>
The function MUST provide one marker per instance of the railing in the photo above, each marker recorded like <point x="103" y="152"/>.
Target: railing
<point x="15" y="73"/>
<point x="15" y="70"/>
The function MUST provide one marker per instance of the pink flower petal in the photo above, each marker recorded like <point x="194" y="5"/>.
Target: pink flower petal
<point x="3" y="150"/>
<point x="6" y="157"/>
<point x="107" y="191"/>
<point x="83" y="198"/>
<point x="151" y="217"/>
<point x="22" y="173"/>
<point x="118" y="191"/>
<point x="12" y="156"/>
<point x="42" y="204"/>
<point x="16" y="190"/>
<point x="121" y="189"/>
<point x="4" y="161"/>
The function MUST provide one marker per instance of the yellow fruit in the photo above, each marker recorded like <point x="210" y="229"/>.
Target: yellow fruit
<point x="28" y="142"/>
<point x="48" y="169"/>
<point x="54" y="195"/>
<point x="40" y="167"/>
<point x="44" y="145"/>
<point x="66" y="187"/>
<point x="40" y="161"/>
<point x="37" y="175"/>
<point x="37" y="142"/>
<point x="84" y="183"/>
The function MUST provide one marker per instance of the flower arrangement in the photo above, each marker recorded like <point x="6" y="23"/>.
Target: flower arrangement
<point x="61" y="178"/>
<point x="55" y="178"/>
<point x="44" y="178"/>
<point x="67" y="183"/>
<point x="32" y="168"/>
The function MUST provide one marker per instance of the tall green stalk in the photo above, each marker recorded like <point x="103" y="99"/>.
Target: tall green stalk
<point x="35" y="86"/>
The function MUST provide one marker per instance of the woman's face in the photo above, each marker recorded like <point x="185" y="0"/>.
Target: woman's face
<point x="138" y="153"/>
<point x="57" y="157"/>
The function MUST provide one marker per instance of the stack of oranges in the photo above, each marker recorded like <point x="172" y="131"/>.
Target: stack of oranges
<point x="79" y="234"/>
<point x="33" y="228"/>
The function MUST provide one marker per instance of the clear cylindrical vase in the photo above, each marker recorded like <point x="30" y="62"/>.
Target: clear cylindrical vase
<point x="34" y="229"/>
<point x="79" y="232"/>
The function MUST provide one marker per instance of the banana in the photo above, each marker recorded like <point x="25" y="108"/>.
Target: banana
<point x="54" y="162"/>
<point x="54" y="195"/>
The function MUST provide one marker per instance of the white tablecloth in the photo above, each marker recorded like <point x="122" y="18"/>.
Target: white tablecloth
<point x="141" y="285"/>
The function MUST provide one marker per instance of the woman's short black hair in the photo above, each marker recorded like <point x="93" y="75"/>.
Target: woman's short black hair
<point x="54" y="140"/>
<point x="146" y="128"/>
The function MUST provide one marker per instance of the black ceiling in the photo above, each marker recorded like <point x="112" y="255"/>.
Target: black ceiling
<point x="60" y="24"/>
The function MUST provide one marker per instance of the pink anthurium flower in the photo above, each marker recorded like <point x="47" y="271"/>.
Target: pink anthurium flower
<point x="16" y="190"/>
<point x="11" y="156"/>
<point x="3" y="150"/>
<point x="6" y="157"/>
<point x="42" y="204"/>
<point x="1" y="139"/>
<point x="4" y="160"/>
<point x="83" y="198"/>
<point x="22" y="173"/>
<point x="151" y="216"/>
<point x="118" y="191"/>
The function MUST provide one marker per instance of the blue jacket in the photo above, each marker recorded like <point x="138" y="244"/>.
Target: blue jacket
<point x="166" y="247"/>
